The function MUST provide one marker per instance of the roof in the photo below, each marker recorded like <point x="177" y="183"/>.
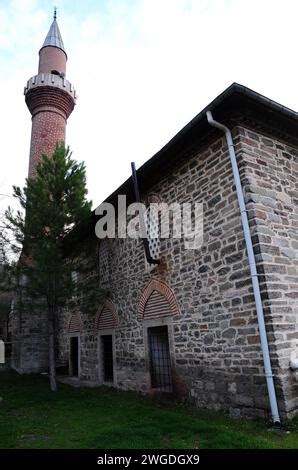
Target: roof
<point x="54" y="38"/>
<point x="235" y="104"/>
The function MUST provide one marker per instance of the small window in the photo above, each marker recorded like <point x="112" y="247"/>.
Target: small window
<point x="74" y="280"/>
<point x="152" y="226"/>
<point x="55" y="72"/>
<point x="153" y="231"/>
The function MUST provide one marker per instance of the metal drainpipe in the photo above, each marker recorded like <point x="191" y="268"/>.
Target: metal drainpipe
<point x="253" y="268"/>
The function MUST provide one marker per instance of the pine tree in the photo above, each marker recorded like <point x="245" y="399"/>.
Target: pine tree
<point x="48" y="228"/>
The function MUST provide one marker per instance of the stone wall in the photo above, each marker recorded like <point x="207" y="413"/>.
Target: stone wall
<point x="214" y="341"/>
<point x="271" y="187"/>
<point x="29" y="335"/>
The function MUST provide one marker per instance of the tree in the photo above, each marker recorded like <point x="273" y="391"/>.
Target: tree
<point x="54" y="207"/>
<point x="5" y="295"/>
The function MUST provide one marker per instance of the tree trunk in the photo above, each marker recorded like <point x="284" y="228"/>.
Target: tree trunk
<point x="52" y="360"/>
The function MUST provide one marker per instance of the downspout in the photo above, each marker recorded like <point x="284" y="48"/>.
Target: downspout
<point x="253" y="268"/>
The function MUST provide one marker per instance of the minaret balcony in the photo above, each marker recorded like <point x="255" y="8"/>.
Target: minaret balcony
<point x="52" y="80"/>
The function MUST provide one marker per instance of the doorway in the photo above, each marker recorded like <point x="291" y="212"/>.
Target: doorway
<point x="107" y="358"/>
<point x="160" y="361"/>
<point x="74" y="356"/>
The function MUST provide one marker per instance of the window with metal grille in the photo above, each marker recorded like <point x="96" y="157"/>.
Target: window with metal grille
<point x="74" y="280"/>
<point x="159" y="355"/>
<point x="153" y="230"/>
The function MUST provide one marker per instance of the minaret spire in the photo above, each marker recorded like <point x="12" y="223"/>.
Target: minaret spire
<point x="54" y="37"/>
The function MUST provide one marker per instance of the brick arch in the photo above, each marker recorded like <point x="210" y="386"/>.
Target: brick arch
<point x="75" y="324"/>
<point x="106" y="316"/>
<point x="162" y="294"/>
<point x="153" y="198"/>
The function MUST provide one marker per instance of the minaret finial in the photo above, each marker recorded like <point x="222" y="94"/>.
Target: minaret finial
<point x="53" y="37"/>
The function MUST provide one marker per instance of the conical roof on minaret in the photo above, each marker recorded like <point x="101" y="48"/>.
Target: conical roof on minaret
<point x="54" y="38"/>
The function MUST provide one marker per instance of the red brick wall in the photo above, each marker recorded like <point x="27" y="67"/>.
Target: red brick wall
<point x="51" y="58"/>
<point x="48" y="128"/>
<point x="50" y="108"/>
<point x="46" y="98"/>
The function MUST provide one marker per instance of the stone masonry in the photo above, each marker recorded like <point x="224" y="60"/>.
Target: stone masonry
<point x="214" y="342"/>
<point x="271" y="183"/>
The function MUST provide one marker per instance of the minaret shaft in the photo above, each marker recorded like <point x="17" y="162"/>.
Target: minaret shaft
<point x="51" y="59"/>
<point x="48" y="128"/>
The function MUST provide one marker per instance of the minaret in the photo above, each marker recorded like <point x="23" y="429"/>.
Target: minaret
<point x="49" y="97"/>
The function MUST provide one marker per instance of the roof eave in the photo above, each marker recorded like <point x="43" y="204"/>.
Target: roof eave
<point x="233" y="89"/>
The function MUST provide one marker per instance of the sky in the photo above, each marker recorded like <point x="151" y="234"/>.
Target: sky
<point x="142" y="70"/>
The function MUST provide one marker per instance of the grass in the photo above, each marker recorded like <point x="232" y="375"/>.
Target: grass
<point x="101" y="418"/>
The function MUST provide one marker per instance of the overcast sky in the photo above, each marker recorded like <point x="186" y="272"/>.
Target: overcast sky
<point x="142" y="70"/>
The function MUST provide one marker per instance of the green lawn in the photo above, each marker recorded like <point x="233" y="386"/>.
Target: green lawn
<point x="33" y="417"/>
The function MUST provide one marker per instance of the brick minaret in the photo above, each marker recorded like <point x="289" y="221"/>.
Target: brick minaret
<point x="49" y="97"/>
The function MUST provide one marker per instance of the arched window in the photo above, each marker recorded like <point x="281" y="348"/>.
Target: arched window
<point x="106" y="317"/>
<point x="75" y="324"/>
<point x="157" y="300"/>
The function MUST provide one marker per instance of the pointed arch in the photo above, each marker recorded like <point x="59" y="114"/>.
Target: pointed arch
<point x="106" y="317"/>
<point x="153" y="198"/>
<point x="75" y="324"/>
<point x="157" y="300"/>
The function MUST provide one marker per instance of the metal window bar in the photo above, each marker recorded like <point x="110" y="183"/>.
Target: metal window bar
<point x="160" y="363"/>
